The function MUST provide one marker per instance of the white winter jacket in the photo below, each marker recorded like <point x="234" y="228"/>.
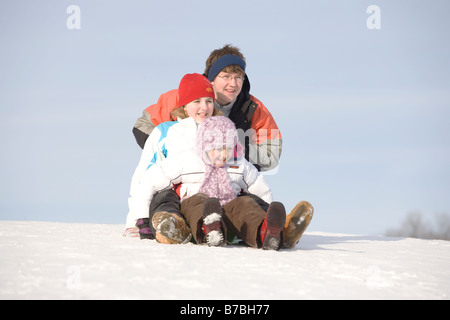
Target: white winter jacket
<point x="188" y="169"/>
<point x="166" y="139"/>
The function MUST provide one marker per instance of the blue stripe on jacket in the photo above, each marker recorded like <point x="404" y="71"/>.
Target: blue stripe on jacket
<point x="163" y="129"/>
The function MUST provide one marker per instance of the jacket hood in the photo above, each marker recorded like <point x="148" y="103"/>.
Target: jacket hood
<point x="216" y="133"/>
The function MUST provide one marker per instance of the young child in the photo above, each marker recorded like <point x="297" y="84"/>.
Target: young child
<point x="211" y="180"/>
<point x="195" y="104"/>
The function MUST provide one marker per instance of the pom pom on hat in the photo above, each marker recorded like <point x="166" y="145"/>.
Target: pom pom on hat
<point x="194" y="86"/>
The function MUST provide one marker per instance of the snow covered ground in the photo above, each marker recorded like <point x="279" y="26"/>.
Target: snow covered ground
<point x="47" y="260"/>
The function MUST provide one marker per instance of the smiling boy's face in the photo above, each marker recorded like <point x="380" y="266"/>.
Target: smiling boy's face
<point x="227" y="87"/>
<point x="220" y="157"/>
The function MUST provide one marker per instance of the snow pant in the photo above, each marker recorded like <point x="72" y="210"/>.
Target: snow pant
<point x="264" y="205"/>
<point x="167" y="200"/>
<point x="243" y="216"/>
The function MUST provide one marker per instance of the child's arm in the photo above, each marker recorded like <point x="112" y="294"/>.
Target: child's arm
<point x="160" y="176"/>
<point x="152" y="153"/>
<point x="257" y="185"/>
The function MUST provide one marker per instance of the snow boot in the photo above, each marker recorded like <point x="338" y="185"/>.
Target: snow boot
<point x="213" y="225"/>
<point x="171" y="228"/>
<point x="272" y="227"/>
<point x="296" y="223"/>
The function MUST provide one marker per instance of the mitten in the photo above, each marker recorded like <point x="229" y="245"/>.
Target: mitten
<point x="144" y="229"/>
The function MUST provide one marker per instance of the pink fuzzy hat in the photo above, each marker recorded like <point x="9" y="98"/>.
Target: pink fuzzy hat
<point x="216" y="133"/>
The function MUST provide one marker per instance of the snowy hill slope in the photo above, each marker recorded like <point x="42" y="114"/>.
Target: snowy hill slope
<point x="43" y="260"/>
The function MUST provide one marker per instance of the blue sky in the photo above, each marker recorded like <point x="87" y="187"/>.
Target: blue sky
<point x="364" y="114"/>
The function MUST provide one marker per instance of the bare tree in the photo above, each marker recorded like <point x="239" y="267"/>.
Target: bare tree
<point x="443" y="226"/>
<point x="414" y="226"/>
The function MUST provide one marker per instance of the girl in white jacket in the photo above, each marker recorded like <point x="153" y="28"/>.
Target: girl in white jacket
<point x="211" y="179"/>
<point x="195" y="104"/>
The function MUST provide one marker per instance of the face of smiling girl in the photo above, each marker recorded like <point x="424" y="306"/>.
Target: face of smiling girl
<point x="200" y="109"/>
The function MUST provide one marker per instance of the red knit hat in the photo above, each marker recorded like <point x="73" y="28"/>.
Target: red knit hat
<point x="192" y="87"/>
